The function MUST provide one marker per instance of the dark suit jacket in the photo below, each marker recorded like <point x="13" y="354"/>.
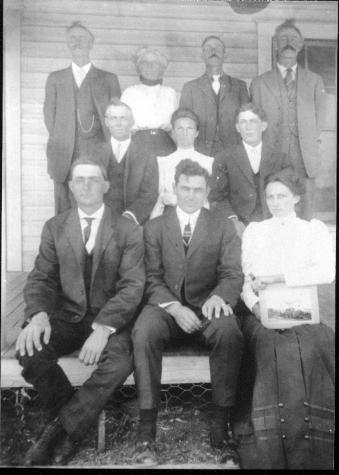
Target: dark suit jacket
<point x="211" y="265"/>
<point x="56" y="284"/>
<point x="199" y="96"/>
<point x="311" y="110"/>
<point x="235" y="191"/>
<point x="60" y="114"/>
<point x="141" y="179"/>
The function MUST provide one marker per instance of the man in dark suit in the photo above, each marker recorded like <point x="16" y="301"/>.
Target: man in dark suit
<point x="74" y="107"/>
<point x="294" y="102"/>
<point x="132" y="172"/>
<point x="242" y="170"/>
<point x="193" y="280"/>
<point x="85" y="287"/>
<point x="215" y="98"/>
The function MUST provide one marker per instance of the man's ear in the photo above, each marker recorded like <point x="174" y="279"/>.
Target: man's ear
<point x="70" y="185"/>
<point x="106" y="186"/>
<point x="237" y="128"/>
<point x="264" y="125"/>
<point x="296" y="199"/>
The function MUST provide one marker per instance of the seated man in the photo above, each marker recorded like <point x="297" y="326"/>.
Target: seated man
<point x="185" y="130"/>
<point x="132" y="173"/>
<point x="242" y="169"/>
<point x="85" y="287"/>
<point x="193" y="279"/>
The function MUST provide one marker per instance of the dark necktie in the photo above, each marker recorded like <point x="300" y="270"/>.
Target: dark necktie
<point x="289" y="81"/>
<point x="87" y="229"/>
<point x="186" y="237"/>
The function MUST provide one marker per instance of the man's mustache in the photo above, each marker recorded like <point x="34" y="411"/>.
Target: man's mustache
<point x="287" y="47"/>
<point x="214" y="56"/>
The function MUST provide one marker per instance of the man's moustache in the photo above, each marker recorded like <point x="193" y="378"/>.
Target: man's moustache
<point x="289" y="47"/>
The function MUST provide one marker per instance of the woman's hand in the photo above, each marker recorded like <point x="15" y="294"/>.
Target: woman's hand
<point x="260" y="282"/>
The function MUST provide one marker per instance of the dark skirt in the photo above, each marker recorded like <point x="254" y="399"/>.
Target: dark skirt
<point x="156" y="142"/>
<point x="285" y="416"/>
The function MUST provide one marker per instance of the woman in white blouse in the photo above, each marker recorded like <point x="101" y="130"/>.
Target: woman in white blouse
<point x="152" y="103"/>
<point x="185" y="127"/>
<point x="291" y="418"/>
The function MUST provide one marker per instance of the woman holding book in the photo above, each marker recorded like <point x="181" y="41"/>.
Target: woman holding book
<point x="291" y="418"/>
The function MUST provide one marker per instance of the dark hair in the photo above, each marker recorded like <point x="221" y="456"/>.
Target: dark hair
<point x="116" y="102"/>
<point x="86" y="160"/>
<point x="213" y="37"/>
<point x="249" y="106"/>
<point x="183" y="113"/>
<point x="78" y="24"/>
<point x="189" y="167"/>
<point x="289" y="23"/>
<point x="287" y="177"/>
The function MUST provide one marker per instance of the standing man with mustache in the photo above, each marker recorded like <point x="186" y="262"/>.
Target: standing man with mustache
<point x="294" y="102"/>
<point x="75" y="103"/>
<point x="215" y="98"/>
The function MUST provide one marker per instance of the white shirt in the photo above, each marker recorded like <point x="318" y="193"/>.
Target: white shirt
<point x="283" y="70"/>
<point x="300" y="250"/>
<point x="152" y="106"/>
<point x="80" y="73"/>
<point x="123" y="147"/>
<point x="254" y="155"/>
<point x="94" y="228"/>
<point x="166" y="167"/>
<point x="184" y="218"/>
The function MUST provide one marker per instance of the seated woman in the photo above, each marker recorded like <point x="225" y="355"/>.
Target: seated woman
<point x="292" y="411"/>
<point x="152" y="103"/>
<point x="185" y="129"/>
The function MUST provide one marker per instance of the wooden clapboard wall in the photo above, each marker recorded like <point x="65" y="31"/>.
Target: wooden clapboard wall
<point x="175" y="27"/>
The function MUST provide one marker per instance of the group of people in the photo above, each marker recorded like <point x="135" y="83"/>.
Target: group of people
<point x="169" y="220"/>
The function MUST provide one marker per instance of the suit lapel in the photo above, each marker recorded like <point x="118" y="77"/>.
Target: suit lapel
<point x="67" y="86"/>
<point x="128" y="159"/>
<point x="265" y="162"/>
<point x="205" y="86"/>
<point x="225" y="87"/>
<point x="272" y="82"/>
<point x="74" y="235"/>
<point x="104" y="235"/>
<point x="302" y="87"/>
<point x="242" y="161"/>
<point x="173" y="232"/>
<point x="200" y="234"/>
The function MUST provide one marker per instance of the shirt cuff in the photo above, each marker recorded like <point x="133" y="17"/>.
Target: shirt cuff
<point x="232" y="216"/>
<point x="96" y="325"/>
<point x="129" y="213"/>
<point x="167" y="304"/>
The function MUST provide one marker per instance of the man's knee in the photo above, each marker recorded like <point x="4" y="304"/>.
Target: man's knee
<point x="149" y="328"/>
<point x="226" y="329"/>
<point x="35" y="365"/>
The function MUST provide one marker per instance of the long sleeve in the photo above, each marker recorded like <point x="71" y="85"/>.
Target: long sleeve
<point x="219" y="194"/>
<point x="248" y="254"/>
<point x="318" y="267"/>
<point x="320" y="104"/>
<point x="50" y="103"/>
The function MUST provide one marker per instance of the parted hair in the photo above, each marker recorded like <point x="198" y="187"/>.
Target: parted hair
<point x="289" y="23"/>
<point x="189" y="167"/>
<point x="249" y="106"/>
<point x="287" y="177"/>
<point x="88" y="160"/>
<point x="78" y="24"/>
<point x="183" y="113"/>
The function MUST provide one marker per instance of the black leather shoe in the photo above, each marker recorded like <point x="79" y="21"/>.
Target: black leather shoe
<point x="145" y="454"/>
<point x="64" y="451"/>
<point x="227" y="453"/>
<point x="41" y="452"/>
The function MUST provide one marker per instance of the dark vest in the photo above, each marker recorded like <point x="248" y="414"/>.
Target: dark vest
<point x="115" y="195"/>
<point x="289" y="102"/>
<point x="257" y="214"/>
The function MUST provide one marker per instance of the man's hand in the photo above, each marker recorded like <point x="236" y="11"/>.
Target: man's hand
<point x="256" y="311"/>
<point x="215" y="304"/>
<point x="261" y="282"/>
<point x="30" y="335"/>
<point x="185" y="318"/>
<point x="94" y="345"/>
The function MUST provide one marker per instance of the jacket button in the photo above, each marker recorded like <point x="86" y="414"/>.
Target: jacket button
<point x="280" y="404"/>
<point x="306" y="437"/>
<point x="307" y="419"/>
<point x="283" y="436"/>
<point x="282" y="420"/>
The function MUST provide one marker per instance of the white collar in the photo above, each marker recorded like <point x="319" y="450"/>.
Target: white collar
<point x="97" y="215"/>
<point x="77" y="68"/>
<point x="283" y="69"/>
<point x="185" y="217"/>
<point x="188" y="151"/>
<point x="286" y="220"/>
<point x="250" y="148"/>
<point x="115" y="142"/>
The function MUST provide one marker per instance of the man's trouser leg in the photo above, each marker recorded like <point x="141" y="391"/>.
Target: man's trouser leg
<point x="153" y="329"/>
<point x="223" y="338"/>
<point x="42" y="369"/>
<point x="114" y="366"/>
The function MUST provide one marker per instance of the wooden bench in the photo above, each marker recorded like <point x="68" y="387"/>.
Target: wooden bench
<point x="180" y="364"/>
